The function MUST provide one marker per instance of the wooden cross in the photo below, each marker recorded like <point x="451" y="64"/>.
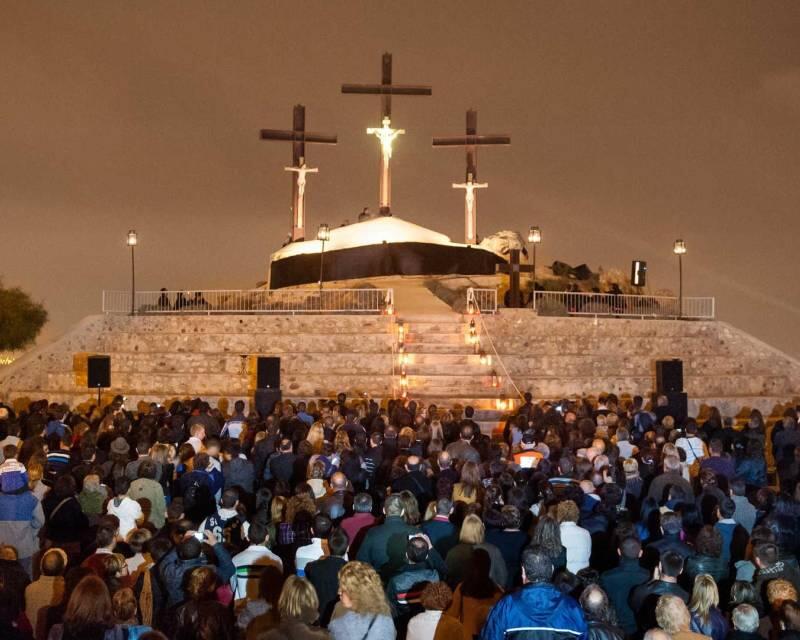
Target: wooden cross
<point x="513" y="269"/>
<point x="298" y="136"/>
<point x="385" y="133"/>
<point x="471" y="141"/>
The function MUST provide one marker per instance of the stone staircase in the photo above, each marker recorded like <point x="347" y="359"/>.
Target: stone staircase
<point x="443" y="368"/>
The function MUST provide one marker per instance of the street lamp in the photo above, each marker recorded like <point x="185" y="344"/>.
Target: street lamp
<point x="323" y="235"/>
<point x="132" y="240"/>
<point x="534" y="237"/>
<point x="679" y="248"/>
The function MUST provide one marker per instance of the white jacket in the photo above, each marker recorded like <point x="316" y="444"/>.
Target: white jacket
<point x="578" y="543"/>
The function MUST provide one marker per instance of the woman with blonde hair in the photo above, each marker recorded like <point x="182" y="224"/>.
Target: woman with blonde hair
<point x="703" y="606"/>
<point x="470" y="487"/>
<point x="35" y="484"/>
<point x="298" y="607"/>
<point x="459" y="558"/>
<point x="363" y="612"/>
<point x="341" y="442"/>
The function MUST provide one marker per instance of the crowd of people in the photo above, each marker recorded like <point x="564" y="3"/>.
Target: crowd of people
<point x="602" y="520"/>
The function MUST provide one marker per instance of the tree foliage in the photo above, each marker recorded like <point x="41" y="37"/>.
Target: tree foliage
<point x="21" y="319"/>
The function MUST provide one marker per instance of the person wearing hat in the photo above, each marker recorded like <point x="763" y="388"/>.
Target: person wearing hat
<point x="529" y="456"/>
<point x="21" y="514"/>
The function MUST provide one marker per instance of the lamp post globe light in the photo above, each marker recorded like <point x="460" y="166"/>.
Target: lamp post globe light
<point x="132" y="241"/>
<point x="679" y="249"/>
<point x="323" y="235"/>
<point x="534" y="237"/>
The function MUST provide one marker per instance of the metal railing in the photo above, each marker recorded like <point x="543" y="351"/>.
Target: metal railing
<point x="564" y="303"/>
<point x="483" y="300"/>
<point x="256" y="301"/>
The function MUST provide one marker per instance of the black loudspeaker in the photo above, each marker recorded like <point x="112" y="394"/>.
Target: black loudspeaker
<point x="669" y="376"/>
<point x="99" y="372"/>
<point x="678" y="406"/>
<point x="265" y="401"/>
<point x="268" y="374"/>
<point x="638" y="273"/>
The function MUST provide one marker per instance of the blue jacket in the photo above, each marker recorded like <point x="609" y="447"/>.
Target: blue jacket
<point x="537" y="611"/>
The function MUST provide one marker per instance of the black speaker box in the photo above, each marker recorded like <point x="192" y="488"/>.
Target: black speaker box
<point x="268" y="373"/>
<point x="99" y="372"/>
<point x="265" y="401"/>
<point x="669" y="376"/>
<point x="678" y="406"/>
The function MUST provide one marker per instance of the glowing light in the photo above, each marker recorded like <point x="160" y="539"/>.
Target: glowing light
<point x="679" y="247"/>
<point x="132" y="238"/>
<point x="534" y="235"/>
<point x="386" y="135"/>
<point x="401" y="333"/>
<point x="470" y="307"/>
<point x="495" y="379"/>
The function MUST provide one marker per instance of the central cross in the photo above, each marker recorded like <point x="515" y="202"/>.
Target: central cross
<point x="471" y="141"/>
<point x="513" y="269"/>
<point x="385" y="134"/>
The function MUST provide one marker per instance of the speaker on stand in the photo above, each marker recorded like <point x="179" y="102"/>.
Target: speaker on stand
<point x="98" y="374"/>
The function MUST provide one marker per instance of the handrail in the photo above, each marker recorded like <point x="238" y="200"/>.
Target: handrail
<point x="251" y="301"/>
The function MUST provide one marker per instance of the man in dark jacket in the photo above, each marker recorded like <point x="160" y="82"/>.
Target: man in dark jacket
<point x="405" y="587"/>
<point x="442" y="533"/>
<point x="643" y="598"/>
<point x="339" y="503"/>
<point x="415" y="481"/>
<point x="671" y="477"/>
<point x="538" y="610"/>
<point x="282" y="466"/>
<point x="188" y="555"/>
<point x="384" y="546"/>
<point x="324" y="575"/>
<point x="671" y="526"/>
<point x="619" y="582"/>
<point x="238" y="470"/>
<point x="599" y="615"/>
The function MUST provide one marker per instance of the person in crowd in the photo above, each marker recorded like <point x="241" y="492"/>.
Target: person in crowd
<point x="576" y="540"/>
<point x="708" y="557"/>
<point x="364" y="611"/>
<point x="260" y="614"/>
<point x="538" y="609"/>
<point x="599" y="615"/>
<point x="621" y="580"/>
<point x="475" y="596"/>
<point x="124" y="606"/>
<point x="21" y="514"/>
<point x="147" y="491"/>
<point x="643" y="599"/>
<point x="357" y="525"/>
<point x="89" y="615"/>
<point x="318" y="546"/>
<point x="744" y="620"/>
<point x="202" y="615"/>
<point x="47" y="590"/>
<point x="673" y="617"/>
<point x="510" y="540"/>
<point x="432" y="623"/>
<point x="472" y="535"/>
<point x="250" y="563"/>
<point x="324" y="574"/>
<point x="127" y="510"/>
<point x="707" y="619"/>
<point x="404" y="589"/>
<point x="384" y="546"/>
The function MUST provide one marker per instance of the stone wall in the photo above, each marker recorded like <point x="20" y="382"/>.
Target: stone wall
<point x="161" y="357"/>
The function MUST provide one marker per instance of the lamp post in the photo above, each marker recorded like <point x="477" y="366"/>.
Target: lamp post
<point x="534" y="237"/>
<point x="679" y="248"/>
<point x="323" y="235"/>
<point x="132" y="240"/>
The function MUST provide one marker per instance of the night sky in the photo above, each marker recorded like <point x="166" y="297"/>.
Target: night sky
<point x="632" y="124"/>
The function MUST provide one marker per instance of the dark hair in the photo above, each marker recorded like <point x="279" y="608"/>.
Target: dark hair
<point x="709" y="541"/>
<point x="630" y="547"/>
<point x="322" y="525"/>
<point x="257" y="532"/>
<point x="147" y="469"/>
<point x="417" y="550"/>
<point x="338" y="542"/>
<point x="511" y="517"/>
<point x="671" y="564"/>
<point x="671" y="523"/>
<point x="767" y="553"/>
<point x="538" y="564"/>
<point x="727" y="507"/>
<point x="270" y="584"/>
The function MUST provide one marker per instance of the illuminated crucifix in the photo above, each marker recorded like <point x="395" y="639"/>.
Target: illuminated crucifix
<point x="298" y="137"/>
<point x="385" y="134"/>
<point x="471" y="141"/>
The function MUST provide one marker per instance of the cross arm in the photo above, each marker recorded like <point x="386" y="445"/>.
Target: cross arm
<point x="388" y="89"/>
<point x="292" y="136"/>
<point x="464" y="141"/>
